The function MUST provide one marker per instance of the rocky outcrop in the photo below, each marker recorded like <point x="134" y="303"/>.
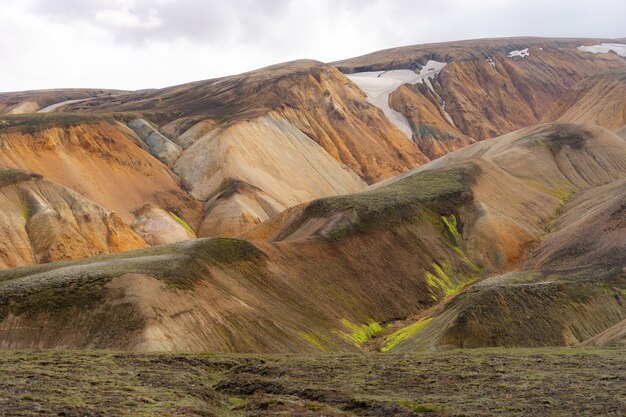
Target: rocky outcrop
<point x="252" y="170"/>
<point x="159" y="146"/>
<point x="44" y="222"/>
<point x="159" y="227"/>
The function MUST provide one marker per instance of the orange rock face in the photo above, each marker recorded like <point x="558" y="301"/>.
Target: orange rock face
<point x="102" y="161"/>
<point x="45" y="222"/>
<point x="434" y="132"/>
<point x="596" y="100"/>
<point x="487" y="90"/>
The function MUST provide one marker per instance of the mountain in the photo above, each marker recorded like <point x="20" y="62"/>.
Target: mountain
<point x="333" y="273"/>
<point x="120" y="207"/>
<point x="598" y="100"/>
<point x="324" y="136"/>
<point x="477" y="89"/>
<point x="80" y="185"/>
<point x="328" y="133"/>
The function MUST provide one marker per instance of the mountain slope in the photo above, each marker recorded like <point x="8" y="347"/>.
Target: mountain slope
<point x="305" y="116"/>
<point x="99" y="158"/>
<point x="488" y="87"/>
<point x="597" y="100"/>
<point x="45" y="222"/>
<point x="231" y="169"/>
<point x="339" y="270"/>
<point x="47" y="100"/>
<point x="313" y="96"/>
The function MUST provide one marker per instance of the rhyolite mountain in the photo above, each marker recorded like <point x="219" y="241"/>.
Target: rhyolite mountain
<point x="217" y="136"/>
<point x="462" y="194"/>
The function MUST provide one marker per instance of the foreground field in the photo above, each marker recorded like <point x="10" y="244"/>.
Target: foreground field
<point x="550" y="382"/>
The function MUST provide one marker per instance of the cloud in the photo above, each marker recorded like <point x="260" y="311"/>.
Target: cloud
<point x="135" y="44"/>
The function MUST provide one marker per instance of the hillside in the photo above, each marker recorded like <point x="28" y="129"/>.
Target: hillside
<point x="338" y="271"/>
<point x="218" y="136"/>
<point x="327" y="133"/>
<point x="45" y="222"/>
<point x="597" y="100"/>
<point x="47" y="100"/>
<point x="477" y="89"/>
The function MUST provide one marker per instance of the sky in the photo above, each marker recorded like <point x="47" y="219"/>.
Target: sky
<point x="135" y="44"/>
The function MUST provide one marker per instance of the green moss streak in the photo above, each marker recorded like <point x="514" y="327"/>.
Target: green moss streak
<point x="182" y="222"/>
<point x="361" y="333"/>
<point x="393" y="339"/>
<point x="452" y="227"/>
<point x="314" y="341"/>
<point x="440" y="191"/>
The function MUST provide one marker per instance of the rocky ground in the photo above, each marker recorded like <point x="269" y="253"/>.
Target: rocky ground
<point x="537" y="382"/>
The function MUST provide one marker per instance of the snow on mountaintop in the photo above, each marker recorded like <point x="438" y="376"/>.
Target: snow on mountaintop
<point x="378" y="85"/>
<point x="520" y="52"/>
<point x="618" y="48"/>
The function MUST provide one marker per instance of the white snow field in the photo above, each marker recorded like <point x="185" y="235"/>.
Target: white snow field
<point x="378" y="85"/>
<point x="619" y="48"/>
<point x="519" y="52"/>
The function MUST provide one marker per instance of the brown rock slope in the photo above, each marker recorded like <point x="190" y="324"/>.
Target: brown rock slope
<point x="575" y="297"/>
<point x="599" y="99"/>
<point x="45" y="222"/>
<point x="336" y="271"/>
<point x="485" y="91"/>
<point x="313" y="96"/>
<point x="286" y="134"/>
<point x="99" y="158"/>
<point x="433" y="132"/>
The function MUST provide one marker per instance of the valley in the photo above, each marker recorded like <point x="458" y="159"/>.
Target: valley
<point x="391" y="234"/>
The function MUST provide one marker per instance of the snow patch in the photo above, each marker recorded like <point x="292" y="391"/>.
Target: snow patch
<point x="519" y="52"/>
<point x="618" y="48"/>
<point x="491" y="62"/>
<point x="378" y="85"/>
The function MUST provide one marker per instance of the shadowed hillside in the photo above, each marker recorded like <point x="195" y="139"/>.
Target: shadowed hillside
<point x="339" y="271"/>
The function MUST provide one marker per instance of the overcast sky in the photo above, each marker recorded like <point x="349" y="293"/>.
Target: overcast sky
<point x="133" y="44"/>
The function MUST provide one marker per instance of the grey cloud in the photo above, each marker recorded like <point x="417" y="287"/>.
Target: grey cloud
<point x="191" y="19"/>
<point x="183" y="40"/>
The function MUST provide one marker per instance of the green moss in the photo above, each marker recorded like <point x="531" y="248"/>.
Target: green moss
<point x="182" y="222"/>
<point x="440" y="281"/>
<point x="32" y="122"/>
<point x="361" y="333"/>
<point x="451" y="223"/>
<point x="393" y="339"/>
<point x="440" y="191"/>
<point x="9" y="176"/>
<point x="314" y="341"/>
